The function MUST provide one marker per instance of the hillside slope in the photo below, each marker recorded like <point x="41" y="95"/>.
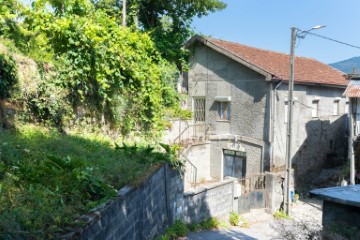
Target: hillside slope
<point x="348" y="65"/>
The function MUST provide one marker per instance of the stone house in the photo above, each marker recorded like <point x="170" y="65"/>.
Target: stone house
<point x="238" y="95"/>
<point x="352" y="92"/>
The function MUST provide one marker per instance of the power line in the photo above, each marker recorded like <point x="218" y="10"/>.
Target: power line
<point x="334" y="40"/>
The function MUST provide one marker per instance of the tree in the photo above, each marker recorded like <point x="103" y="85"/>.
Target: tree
<point x="167" y="21"/>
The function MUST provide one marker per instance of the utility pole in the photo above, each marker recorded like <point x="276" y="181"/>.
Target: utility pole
<point x="351" y="146"/>
<point x="289" y="124"/>
<point x="124" y="13"/>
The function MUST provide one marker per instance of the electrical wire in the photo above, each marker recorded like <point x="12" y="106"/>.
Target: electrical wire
<point x="334" y="40"/>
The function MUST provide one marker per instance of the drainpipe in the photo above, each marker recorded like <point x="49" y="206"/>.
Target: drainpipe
<point x="274" y="108"/>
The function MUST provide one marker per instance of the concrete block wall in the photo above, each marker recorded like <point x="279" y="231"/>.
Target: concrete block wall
<point x="145" y="212"/>
<point x="138" y="213"/>
<point x="216" y="200"/>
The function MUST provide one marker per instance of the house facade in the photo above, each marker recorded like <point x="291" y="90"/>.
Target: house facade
<point x="240" y="93"/>
<point x="352" y="92"/>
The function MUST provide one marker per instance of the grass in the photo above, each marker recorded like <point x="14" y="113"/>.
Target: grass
<point x="48" y="179"/>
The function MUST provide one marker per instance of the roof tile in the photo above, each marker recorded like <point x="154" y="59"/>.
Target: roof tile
<point x="306" y="70"/>
<point x="353" y="89"/>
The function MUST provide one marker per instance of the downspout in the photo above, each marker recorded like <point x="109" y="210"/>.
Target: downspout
<point x="274" y="111"/>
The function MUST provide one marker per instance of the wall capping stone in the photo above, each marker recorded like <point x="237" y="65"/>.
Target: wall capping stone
<point x="209" y="187"/>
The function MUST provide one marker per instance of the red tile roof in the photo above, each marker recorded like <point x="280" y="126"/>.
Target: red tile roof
<point x="353" y="89"/>
<point x="306" y="70"/>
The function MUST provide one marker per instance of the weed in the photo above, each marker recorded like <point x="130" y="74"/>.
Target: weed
<point x="177" y="229"/>
<point x="234" y="218"/>
<point x="194" y="227"/>
<point x="210" y="223"/>
<point x="223" y="224"/>
<point x="281" y="215"/>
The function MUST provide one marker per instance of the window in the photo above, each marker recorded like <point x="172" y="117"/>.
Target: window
<point x="315" y="108"/>
<point x="234" y="164"/>
<point x="223" y="111"/>
<point x="336" y="107"/>
<point x="199" y="109"/>
<point x="286" y="111"/>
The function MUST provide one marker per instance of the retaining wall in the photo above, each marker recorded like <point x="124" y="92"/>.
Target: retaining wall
<point x="146" y="211"/>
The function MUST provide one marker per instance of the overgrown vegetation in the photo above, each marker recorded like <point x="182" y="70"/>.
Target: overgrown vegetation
<point x="70" y="66"/>
<point x="93" y="68"/>
<point x="42" y="192"/>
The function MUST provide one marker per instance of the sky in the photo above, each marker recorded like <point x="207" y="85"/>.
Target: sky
<point x="266" y="24"/>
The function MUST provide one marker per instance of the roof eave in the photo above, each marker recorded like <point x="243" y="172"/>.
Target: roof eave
<point x="268" y="75"/>
<point x="312" y="83"/>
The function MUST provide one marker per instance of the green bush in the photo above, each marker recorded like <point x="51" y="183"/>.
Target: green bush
<point x="177" y="229"/>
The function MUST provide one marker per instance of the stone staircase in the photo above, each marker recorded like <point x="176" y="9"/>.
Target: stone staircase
<point x="192" y="135"/>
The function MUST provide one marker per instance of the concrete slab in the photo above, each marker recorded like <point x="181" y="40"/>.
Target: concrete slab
<point x="347" y="195"/>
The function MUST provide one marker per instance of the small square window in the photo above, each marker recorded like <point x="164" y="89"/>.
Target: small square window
<point x="223" y="111"/>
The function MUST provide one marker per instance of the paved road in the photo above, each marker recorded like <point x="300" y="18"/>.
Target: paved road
<point x="262" y="224"/>
<point x="235" y="234"/>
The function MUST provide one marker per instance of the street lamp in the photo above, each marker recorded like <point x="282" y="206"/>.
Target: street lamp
<point x="295" y="32"/>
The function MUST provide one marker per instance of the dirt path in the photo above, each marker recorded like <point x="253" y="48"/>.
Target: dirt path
<point x="263" y="226"/>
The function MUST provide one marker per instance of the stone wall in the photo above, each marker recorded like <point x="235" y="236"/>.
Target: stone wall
<point x="144" y="212"/>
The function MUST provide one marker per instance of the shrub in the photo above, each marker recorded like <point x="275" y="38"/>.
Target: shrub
<point x="194" y="227"/>
<point x="234" y="219"/>
<point x="210" y="223"/>
<point x="281" y="215"/>
<point x="178" y="229"/>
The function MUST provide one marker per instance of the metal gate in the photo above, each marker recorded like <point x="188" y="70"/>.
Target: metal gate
<point x="252" y="193"/>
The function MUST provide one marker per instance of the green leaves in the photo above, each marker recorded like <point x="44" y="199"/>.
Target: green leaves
<point x="8" y="75"/>
<point x="117" y="74"/>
